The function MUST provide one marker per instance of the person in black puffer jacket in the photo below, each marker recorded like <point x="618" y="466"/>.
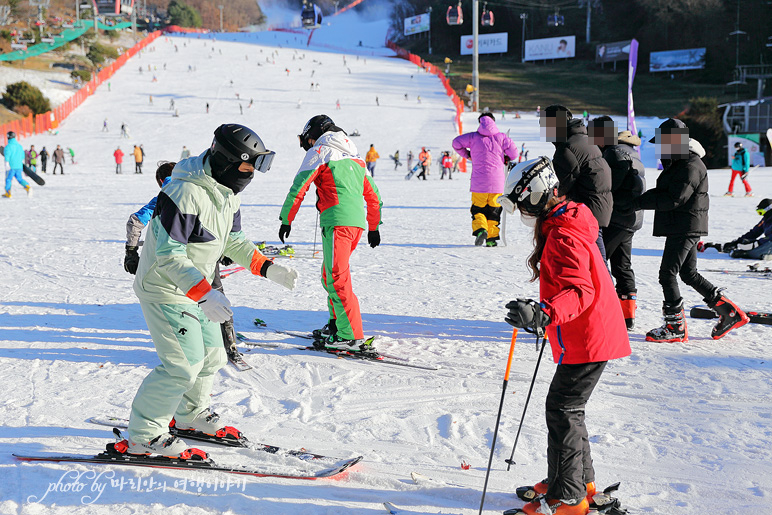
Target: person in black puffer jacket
<point x="627" y="182"/>
<point x="680" y="202"/>
<point x="583" y="173"/>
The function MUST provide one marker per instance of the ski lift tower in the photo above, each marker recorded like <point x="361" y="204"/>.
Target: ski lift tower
<point x="40" y="4"/>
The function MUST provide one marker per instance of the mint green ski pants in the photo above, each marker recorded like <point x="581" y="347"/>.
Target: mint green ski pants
<point x="191" y="352"/>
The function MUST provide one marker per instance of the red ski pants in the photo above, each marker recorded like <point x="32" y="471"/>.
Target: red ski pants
<point x="735" y="175"/>
<point x="338" y="243"/>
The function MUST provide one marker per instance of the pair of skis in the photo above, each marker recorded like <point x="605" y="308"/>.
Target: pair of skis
<point x="757" y="317"/>
<point x="198" y="462"/>
<point x="372" y="355"/>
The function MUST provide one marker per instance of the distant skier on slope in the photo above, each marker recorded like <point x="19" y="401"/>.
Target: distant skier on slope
<point x="14" y="159"/>
<point x="196" y="220"/>
<point x="333" y="164"/>
<point x="582" y="317"/>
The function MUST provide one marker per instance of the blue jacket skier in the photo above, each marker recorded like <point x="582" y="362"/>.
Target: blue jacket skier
<point x="14" y="157"/>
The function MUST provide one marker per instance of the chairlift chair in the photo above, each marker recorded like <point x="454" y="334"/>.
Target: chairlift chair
<point x="486" y="19"/>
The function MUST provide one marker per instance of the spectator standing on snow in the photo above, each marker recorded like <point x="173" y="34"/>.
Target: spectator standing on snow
<point x="370" y="159"/>
<point x="43" y="159"/>
<point x="680" y="202"/>
<point x="13" y="154"/>
<point x="185" y="153"/>
<point x="137" y="159"/>
<point x="409" y="160"/>
<point x="583" y="173"/>
<point x="332" y="163"/>
<point x="741" y="165"/>
<point x="59" y="159"/>
<point x="488" y="149"/>
<point x="627" y="182"/>
<point x="580" y="313"/>
<point x="118" y="155"/>
<point x="447" y="166"/>
<point x="33" y="158"/>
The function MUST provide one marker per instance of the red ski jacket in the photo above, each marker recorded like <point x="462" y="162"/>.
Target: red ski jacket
<point x="576" y="290"/>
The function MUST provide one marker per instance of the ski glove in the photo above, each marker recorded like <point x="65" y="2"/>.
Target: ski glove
<point x="729" y="246"/>
<point x="284" y="231"/>
<point x="216" y="306"/>
<point x="374" y="238"/>
<point x="527" y="314"/>
<point x="226" y="261"/>
<point x="282" y="275"/>
<point x="131" y="261"/>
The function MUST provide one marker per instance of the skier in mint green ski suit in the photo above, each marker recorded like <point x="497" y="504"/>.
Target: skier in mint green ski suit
<point x="196" y="220"/>
<point x="343" y="186"/>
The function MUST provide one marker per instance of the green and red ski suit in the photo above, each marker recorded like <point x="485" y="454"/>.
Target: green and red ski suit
<point x="342" y="181"/>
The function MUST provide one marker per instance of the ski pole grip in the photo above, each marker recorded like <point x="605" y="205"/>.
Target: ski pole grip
<point x="511" y="353"/>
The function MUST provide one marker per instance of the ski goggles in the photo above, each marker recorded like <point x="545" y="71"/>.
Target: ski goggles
<point x="762" y="211"/>
<point x="264" y="161"/>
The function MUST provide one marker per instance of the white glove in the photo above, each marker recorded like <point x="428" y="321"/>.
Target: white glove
<point x="216" y="306"/>
<point x="282" y="275"/>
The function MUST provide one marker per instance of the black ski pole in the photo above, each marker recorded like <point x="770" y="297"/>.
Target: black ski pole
<point x="316" y="227"/>
<point x="511" y="460"/>
<point x="498" y="417"/>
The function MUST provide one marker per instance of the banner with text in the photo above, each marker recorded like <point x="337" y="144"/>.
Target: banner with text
<point x="417" y="24"/>
<point x="676" y="60"/>
<point x="609" y="52"/>
<point x="486" y="43"/>
<point x="550" y="48"/>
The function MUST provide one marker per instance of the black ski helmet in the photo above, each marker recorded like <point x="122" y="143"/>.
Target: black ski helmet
<point x="738" y="145"/>
<point x="11" y="134"/>
<point x="764" y="206"/>
<point x="234" y="143"/>
<point x="314" y="128"/>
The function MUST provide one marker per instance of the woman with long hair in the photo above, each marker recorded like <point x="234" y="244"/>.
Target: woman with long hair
<point x="579" y="309"/>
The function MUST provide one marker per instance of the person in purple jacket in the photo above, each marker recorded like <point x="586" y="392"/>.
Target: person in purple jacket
<point x="488" y="149"/>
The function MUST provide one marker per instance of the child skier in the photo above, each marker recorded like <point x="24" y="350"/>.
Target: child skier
<point x="196" y="220"/>
<point x="579" y="309"/>
<point x="760" y="237"/>
<point x="680" y="202"/>
<point x="333" y="164"/>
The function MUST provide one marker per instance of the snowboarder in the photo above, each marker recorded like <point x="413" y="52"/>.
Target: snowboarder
<point x="488" y="149"/>
<point x="425" y="161"/>
<point x="395" y="158"/>
<point x="741" y="165"/>
<point x="759" y="238"/>
<point x="582" y="317"/>
<point x="43" y="159"/>
<point x="370" y="159"/>
<point x="137" y="159"/>
<point x="118" y="155"/>
<point x="627" y="181"/>
<point x="583" y="173"/>
<point x="333" y="164"/>
<point x="14" y="159"/>
<point x="447" y="166"/>
<point x="173" y="283"/>
<point x="680" y="202"/>
<point x="59" y="159"/>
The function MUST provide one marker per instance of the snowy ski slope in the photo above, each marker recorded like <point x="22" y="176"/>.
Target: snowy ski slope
<point x="686" y="428"/>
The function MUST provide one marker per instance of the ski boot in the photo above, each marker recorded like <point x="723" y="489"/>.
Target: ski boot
<point x="321" y="335"/>
<point x="29" y="190"/>
<point x="206" y="423"/>
<point x="491" y="243"/>
<point x="629" y="305"/>
<point x="674" y="329"/>
<point x="480" y="237"/>
<point x="7" y="194"/>
<point x="166" y="445"/>
<point x="335" y="343"/>
<point x="529" y="493"/>
<point x="729" y="315"/>
<point x="544" y="506"/>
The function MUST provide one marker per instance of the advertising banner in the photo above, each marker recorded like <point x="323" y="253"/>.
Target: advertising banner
<point x="550" y="48"/>
<point x="631" y="67"/>
<point x="486" y="43"/>
<point x="417" y="24"/>
<point x="676" y="60"/>
<point x="610" y="52"/>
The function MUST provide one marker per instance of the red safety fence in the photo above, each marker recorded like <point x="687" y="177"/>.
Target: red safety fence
<point x="185" y="30"/>
<point x="50" y="120"/>
<point x="429" y="67"/>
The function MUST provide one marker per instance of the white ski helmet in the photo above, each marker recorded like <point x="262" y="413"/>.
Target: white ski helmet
<point x="529" y="186"/>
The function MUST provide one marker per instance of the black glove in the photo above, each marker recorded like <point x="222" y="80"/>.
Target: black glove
<point x="374" y="238"/>
<point x="284" y="231"/>
<point x="624" y="207"/>
<point x="226" y="261"/>
<point x="729" y="246"/>
<point x="527" y="314"/>
<point x="131" y="261"/>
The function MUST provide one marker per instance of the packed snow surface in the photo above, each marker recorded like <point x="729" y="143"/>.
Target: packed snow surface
<point x="684" y="427"/>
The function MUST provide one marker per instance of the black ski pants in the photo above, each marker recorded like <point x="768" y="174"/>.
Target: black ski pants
<point x="60" y="165"/>
<point x="423" y="172"/>
<point x="569" y="462"/>
<point x="679" y="258"/>
<point x="619" y="249"/>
